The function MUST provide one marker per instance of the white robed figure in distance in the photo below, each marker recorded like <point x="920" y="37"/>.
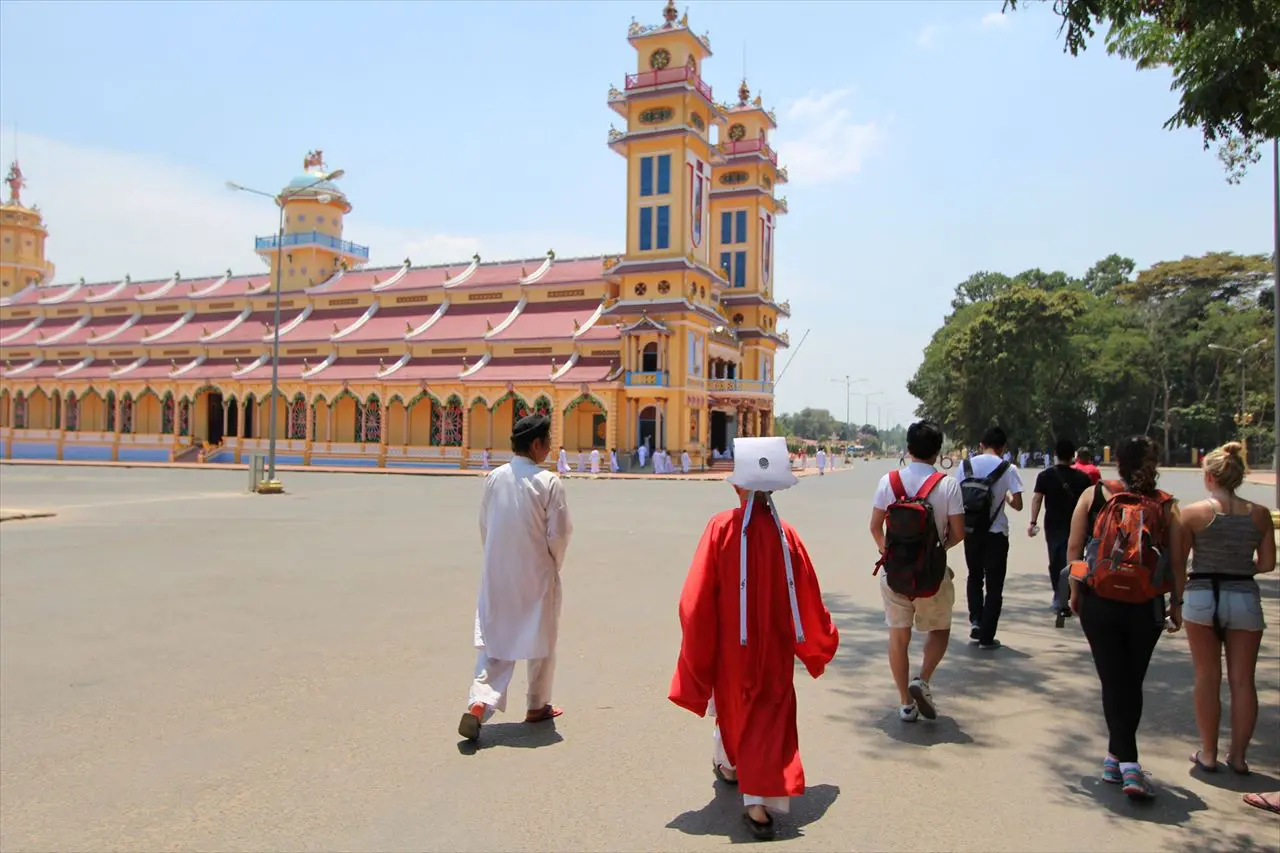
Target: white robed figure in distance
<point x="685" y="461"/>
<point x="822" y="462"/>
<point x="562" y="462"/>
<point x="613" y="461"/>
<point x="643" y="452"/>
<point x="582" y="462"/>
<point x="595" y="461"/>
<point x="525" y="529"/>
<point x="484" y="459"/>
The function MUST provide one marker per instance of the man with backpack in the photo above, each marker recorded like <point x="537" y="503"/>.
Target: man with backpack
<point x="987" y="483"/>
<point x="918" y="514"/>
<point x="1058" y="490"/>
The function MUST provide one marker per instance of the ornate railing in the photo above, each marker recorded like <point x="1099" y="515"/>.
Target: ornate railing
<point x="312" y="238"/>
<point x="657" y="378"/>
<point x="749" y="146"/>
<point x="683" y="74"/>
<point x="742" y="386"/>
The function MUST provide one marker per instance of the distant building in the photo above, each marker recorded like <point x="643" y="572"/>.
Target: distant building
<point x="672" y="343"/>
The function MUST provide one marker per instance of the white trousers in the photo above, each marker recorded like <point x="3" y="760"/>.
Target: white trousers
<point x="777" y="805"/>
<point x="493" y="677"/>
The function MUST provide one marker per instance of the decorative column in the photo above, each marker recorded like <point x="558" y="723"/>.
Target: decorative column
<point x="383" y="428"/>
<point x="466" y="435"/>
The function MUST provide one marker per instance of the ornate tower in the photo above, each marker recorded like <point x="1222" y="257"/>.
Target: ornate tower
<point x="312" y="248"/>
<point x="22" y="236"/>
<point x="745" y="210"/>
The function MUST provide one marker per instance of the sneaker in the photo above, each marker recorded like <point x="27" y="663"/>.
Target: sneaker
<point x="974" y="631"/>
<point x="1111" y="771"/>
<point x="469" y="725"/>
<point x="919" y="690"/>
<point x="908" y="713"/>
<point x="993" y="643"/>
<point x="1136" y="784"/>
<point x="1055" y="606"/>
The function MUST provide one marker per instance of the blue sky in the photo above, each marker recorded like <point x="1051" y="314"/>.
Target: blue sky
<point x="925" y="141"/>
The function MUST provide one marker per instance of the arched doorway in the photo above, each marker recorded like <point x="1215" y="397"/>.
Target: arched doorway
<point x="585" y="424"/>
<point x="648" y="427"/>
<point x="232" y="407"/>
<point x="483" y="435"/>
<point x="146" y="414"/>
<point x="420" y="419"/>
<point x="649" y="358"/>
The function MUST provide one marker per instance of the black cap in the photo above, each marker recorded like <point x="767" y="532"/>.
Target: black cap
<point x="530" y="427"/>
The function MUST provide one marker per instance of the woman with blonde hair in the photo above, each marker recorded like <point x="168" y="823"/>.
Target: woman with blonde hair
<point x="1229" y="540"/>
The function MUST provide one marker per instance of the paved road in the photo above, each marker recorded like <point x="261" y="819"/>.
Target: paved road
<point x="185" y="667"/>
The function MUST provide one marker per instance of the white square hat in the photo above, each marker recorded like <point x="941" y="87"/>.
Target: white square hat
<point x="761" y="464"/>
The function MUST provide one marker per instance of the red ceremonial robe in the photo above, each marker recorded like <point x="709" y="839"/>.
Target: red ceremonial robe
<point x="753" y="685"/>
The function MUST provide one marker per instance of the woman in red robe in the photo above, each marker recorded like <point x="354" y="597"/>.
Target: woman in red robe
<point x="751" y="605"/>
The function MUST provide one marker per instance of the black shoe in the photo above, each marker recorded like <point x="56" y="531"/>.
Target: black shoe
<point x="759" y="831"/>
<point x="974" y="631"/>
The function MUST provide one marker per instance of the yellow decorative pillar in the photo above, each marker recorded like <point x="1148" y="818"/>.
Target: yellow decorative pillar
<point x="383" y="429"/>
<point x="466" y="435"/>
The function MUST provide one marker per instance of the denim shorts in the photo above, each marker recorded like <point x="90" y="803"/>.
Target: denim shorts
<point x="1238" y="610"/>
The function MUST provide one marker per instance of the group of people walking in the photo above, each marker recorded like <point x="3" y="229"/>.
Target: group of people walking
<point x="752" y="604"/>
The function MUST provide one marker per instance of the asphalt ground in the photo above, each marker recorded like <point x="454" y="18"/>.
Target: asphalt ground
<point x="184" y="666"/>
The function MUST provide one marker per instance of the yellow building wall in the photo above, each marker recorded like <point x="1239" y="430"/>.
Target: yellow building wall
<point x="420" y="422"/>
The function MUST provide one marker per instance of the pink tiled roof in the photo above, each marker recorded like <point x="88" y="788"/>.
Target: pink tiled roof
<point x="26" y="296"/>
<point x="155" y="368"/>
<point x="100" y="368"/>
<point x="50" y="327"/>
<point x="578" y="269"/>
<point x="547" y="320"/>
<point x="191" y="331"/>
<point x="389" y="323"/>
<point x="215" y="368"/>
<point x="428" y="368"/>
<point x="319" y="326"/>
<point x="362" y="280"/>
<point x="149" y="324"/>
<point x="588" y="370"/>
<point x="290" y="368"/>
<point x="466" y="322"/>
<point x="355" y="368"/>
<point x="45" y="370"/>
<point x="424" y="277"/>
<point x="255" y="327"/>
<point x="487" y="275"/>
<point x="232" y="287"/>
<point x="96" y="326"/>
<point x="513" y="370"/>
<point x="603" y="330"/>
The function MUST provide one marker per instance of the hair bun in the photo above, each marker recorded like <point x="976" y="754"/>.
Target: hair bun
<point x="1233" y="448"/>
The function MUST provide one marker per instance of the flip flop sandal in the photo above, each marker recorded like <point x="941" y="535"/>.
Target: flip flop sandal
<point x="719" y="774"/>
<point x="1239" y="771"/>
<point x="1260" y="801"/>
<point x="1205" y="768"/>
<point x="546" y="712"/>
<point x="759" y="831"/>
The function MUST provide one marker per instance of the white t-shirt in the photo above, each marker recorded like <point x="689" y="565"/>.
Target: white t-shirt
<point x="945" y="499"/>
<point x="1011" y="483"/>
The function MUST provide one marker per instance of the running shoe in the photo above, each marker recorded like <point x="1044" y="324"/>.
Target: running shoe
<point x="1137" y="786"/>
<point x="1111" y="771"/>
<point x="919" y="690"/>
<point x="908" y="713"/>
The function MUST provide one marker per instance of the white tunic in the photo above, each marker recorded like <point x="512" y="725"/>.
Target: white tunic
<point x="525" y="529"/>
<point x="822" y="461"/>
<point x="562" y="462"/>
<point x="484" y="460"/>
<point x="595" y="462"/>
<point x="685" y="461"/>
<point x="644" y="454"/>
<point x="613" y="461"/>
<point x="582" y="462"/>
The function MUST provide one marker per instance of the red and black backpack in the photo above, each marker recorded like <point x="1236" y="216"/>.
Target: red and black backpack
<point x="914" y="561"/>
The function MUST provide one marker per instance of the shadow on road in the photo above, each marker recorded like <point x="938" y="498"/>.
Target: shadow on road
<point x="723" y="815"/>
<point x="513" y="735"/>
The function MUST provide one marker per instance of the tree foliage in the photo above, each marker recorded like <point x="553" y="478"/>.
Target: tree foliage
<point x="1224" y="55"/>
<point x="1104" y="356"/>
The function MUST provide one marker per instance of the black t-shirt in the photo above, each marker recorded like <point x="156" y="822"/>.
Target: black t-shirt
<point x="1062" y="487"/>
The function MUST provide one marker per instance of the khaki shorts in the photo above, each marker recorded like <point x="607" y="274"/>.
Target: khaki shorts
<point x="927" y="614"/>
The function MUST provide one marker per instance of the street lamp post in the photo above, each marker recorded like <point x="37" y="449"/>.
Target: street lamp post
<point x="848" y="384"/>
<point x="1242" y="420"/>
<point x="1275" y="305"/>
<point x="272" y="485"/>
<point x="866" y="398"/>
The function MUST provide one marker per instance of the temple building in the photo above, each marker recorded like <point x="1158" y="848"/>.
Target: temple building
<point x="671" y="343"/>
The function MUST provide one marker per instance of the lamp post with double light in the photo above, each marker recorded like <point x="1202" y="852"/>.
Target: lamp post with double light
<point x="848" y="384"/>
<point x="1242" y="418"/>
<point x="271" y="485"/>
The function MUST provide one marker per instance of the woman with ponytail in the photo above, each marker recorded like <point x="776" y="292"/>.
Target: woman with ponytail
<point x="1229" y="541"/>
<point x="1122" y="634"/>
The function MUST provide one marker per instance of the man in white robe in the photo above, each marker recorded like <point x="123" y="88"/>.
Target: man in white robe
<point x="562" y="462"/>
<point x="484" y="459"/>
<point x="595" y="461"/>
<point x="644" y="454"/>
<point x="582" y="462"/>
<point x="822" y="462"/>
<point x="525" y="529"/>
<point x="614" y="467"/>
<point x="685" y="462"/>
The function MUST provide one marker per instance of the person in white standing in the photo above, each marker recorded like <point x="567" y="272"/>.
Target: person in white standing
<point x="614" y="467"/>
<point x="595" y="461"/>
<point x="484" y="459"/>
<point x="822" y="462"/>
<point x="582" y="462"/>
<point x="685" y="462"/>
<point x="525" y="529"/>
<point x="643" y="453"/>
<point x="562" y="462"/>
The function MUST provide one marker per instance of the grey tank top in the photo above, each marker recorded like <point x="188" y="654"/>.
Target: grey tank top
<point x="1225" y="548"/>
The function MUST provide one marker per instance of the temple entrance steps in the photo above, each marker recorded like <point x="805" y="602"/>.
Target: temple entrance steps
<point x="188" y="454"/>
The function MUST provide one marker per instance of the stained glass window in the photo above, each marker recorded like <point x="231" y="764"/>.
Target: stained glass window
<point x="297" y="419"/>
<point x="359" y="432"/>
<point x="314" y="434"/>
<point x="56" y="400"/>
<point x="111" y="411"/>
<point x="73" y="412"/>
<point x="184" y="417"/>
<point x="373" y="420"/>
<point x="166" y="415"/>
<point x="446" y="423"/>
<point x="20" y="411"/>
<point x="542" y="406"/>
<point x="126" y="415"/>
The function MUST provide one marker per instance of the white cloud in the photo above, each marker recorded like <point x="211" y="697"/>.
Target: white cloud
<point x="994" y="20"/>
<point x="823" y="141"/>
<point x="112" y="213"/>
<point x="928" y="36"/>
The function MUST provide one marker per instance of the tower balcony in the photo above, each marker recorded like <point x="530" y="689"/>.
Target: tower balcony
<point x="312" y="239"/>
<point x="666" y="77"/>
<point x="730" y="148"/>
<point x="650" y="378"/>
<point x="739" y="386"/>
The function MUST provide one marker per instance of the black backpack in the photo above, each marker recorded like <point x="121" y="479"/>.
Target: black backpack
<point x="914" y="560"/>
<point x="979" y="498"/>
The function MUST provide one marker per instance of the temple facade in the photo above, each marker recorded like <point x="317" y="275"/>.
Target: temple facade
<point x="671" y="343"/>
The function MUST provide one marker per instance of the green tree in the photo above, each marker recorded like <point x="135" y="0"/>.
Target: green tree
<point x="1224" y="55"/>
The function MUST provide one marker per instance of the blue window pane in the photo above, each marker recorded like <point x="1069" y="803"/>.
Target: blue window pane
<point x="646" y="229"/>
<point x="740" y="269"/>
<point x="726" y="262"/>
<point x="741" y="216"/>
<point x="646" y="176"/>
<point x="664" y="226"/>
<point x="664" y="174"/>
<point x="726" y="227"/>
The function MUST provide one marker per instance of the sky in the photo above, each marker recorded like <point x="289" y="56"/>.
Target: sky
<point x="925" y="142"/>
